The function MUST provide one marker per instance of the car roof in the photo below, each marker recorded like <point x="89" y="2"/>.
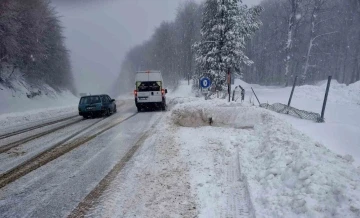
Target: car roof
<point x="94" y="95"/>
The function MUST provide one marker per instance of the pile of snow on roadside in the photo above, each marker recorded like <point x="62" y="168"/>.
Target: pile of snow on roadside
<point x="288" y="174"/>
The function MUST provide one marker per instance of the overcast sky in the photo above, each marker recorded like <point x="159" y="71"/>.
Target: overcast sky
<point x="100" y="32"/>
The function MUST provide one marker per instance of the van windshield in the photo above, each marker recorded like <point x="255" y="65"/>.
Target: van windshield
<point x="149" y="86"/>
<point x="90" y="100"/>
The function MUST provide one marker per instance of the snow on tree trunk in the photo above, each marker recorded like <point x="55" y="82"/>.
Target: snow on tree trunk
<point x="289" y="42"/>
<point x="313" y="36"/>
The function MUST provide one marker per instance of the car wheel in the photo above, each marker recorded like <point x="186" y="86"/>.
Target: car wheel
<point x="115" y="110"/>
<point x="139" y="109"/>
<point x="85" y="117"/>
<point x="108" y="113"/>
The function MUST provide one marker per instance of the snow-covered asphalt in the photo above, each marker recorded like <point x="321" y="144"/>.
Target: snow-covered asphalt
<point x="56" y="188"/>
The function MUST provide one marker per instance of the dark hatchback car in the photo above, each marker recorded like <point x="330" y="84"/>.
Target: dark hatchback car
<point x="96" y="105"/>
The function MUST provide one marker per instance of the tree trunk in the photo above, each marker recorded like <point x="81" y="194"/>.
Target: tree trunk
<point x="289" y="42"/>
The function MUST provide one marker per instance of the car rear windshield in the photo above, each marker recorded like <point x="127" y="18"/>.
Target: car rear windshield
<point x="148" y="86"/>
<point x="90" y="100"/>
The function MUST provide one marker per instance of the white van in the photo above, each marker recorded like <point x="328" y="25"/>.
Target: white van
<point x="149" y="90"/>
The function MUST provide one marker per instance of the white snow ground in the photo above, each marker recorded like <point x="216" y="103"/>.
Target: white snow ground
<point x="341" y="130"/>
<point x="17" y="109"/>
<point x="250" y="163"/>
<point x="281" y="172"/>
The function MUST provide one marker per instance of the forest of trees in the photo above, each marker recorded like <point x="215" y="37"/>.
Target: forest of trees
<point x="32" y="44"/>
<point x="311" y="39"/>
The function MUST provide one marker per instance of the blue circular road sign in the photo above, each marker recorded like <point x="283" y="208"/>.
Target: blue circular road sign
<point x="205" y="82"/>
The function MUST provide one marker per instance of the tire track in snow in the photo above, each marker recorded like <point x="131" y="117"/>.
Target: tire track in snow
<point x="15" y="144"/>
<point x="54" y="152"/>
<point x="38" y="126"/>
<point x="18" y="132"/>
<point x="234" y="185"/>
<point x="83" y="207"/>
<point x="245" y="205"/>
<point x="92" y="198"/>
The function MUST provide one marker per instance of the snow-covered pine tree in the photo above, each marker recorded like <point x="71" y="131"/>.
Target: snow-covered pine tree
<point x="226" y="25"/>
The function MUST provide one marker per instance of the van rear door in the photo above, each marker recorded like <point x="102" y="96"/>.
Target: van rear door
<point x="149" y="91"/>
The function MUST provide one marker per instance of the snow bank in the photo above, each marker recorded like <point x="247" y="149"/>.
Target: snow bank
<point x="17" y="100"/>
<point x="199" y="113"/>
<point x="17" y="108"/>
<point x="341" y="130"/>
<point x="285" y="172"/>
<point x="339" y="93"/>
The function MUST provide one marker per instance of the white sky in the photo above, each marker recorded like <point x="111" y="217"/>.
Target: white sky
<point x="99" y="33"/>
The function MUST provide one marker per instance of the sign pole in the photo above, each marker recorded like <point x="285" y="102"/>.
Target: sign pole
<point x="205" y="83"/>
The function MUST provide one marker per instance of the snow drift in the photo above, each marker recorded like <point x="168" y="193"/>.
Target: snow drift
<point x="287" y="173"/>
<point x="23" y="104"/>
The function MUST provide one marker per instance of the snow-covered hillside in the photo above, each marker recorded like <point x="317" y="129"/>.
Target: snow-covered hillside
<point x="17" y="107"/>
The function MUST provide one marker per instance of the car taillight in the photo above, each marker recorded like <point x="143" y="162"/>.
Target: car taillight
<point x="162" y="91"/>
<point x="135" y="93"/>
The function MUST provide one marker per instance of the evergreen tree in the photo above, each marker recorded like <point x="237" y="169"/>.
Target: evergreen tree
<point x="226" y="26"/>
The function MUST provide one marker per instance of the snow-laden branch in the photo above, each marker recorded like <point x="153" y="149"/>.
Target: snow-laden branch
<point x="322" y="21"/>
<point x="318" y="36"/>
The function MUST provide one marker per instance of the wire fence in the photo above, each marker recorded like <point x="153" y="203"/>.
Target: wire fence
<point x="216" y="94"/>
<point x="284" y="109"/>
<point x="239" y="93"/>
<point x="302" y="114"/>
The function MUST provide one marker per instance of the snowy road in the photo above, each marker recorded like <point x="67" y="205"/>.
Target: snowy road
<point x="249" y="162"/>
<point x="55" y="189"/>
